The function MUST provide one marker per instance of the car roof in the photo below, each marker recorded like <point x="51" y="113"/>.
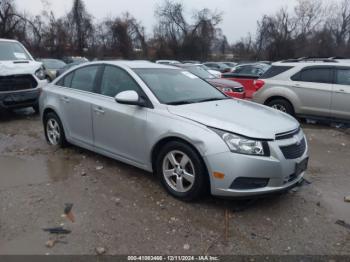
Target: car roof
<point x="8" y="40"/>
<point x="311" y="63"/>
<point x="134" y="64"/>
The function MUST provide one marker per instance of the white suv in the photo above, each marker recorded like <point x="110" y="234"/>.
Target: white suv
<point x="318" y="89"/>
<point x="21" y="78"/>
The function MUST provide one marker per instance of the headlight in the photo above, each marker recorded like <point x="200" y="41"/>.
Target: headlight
<point x="227" y="89"/>
<point x="242" y="145"/>
<point x="40" y="73"/>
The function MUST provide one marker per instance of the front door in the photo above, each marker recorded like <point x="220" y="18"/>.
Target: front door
<point x="119" y="129"/>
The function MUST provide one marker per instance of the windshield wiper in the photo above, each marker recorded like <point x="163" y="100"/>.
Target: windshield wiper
<point x="194" y="101"/>
<point x="182" y="102"/>
<point x="212" y="99"/>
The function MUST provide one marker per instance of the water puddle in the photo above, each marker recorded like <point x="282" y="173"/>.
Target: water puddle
<point x="16" y="171"/>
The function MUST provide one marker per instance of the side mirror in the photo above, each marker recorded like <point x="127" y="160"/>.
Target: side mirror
<point x="129" y="98"/>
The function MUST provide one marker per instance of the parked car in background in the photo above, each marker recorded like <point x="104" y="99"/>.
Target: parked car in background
<point x="247" y="75"/>
<point x="308" y="89"/>
<point x="191" y="62"/>
<point x="170" y="122"/>
<point x="221" y="67"/>
<point x="74" y="59"/>
<point x="168" y="62"/>
<point x="51" y="67"/>
<point x="230" y="88"/>
<point x="230" y="64"/>
<point x="215" y="73"/>
<point x="21" y="77"/>
<point x="67" y="67"/>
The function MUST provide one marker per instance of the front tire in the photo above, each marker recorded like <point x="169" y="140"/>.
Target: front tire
<point x="182" y="171"/>
<point x="282" y="105"/>
<point x="54" y="131"/>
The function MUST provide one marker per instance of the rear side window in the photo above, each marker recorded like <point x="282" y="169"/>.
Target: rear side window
<point x="315" y="75"/>
<point x="275" y="71"/>
<point x="343" y="76"/>
<point x="84" y="78"/>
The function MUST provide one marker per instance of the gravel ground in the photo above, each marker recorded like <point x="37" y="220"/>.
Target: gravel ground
<point x="125" y="210"/>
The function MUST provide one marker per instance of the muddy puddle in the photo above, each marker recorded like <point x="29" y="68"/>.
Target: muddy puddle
<point x="16" y="171"/>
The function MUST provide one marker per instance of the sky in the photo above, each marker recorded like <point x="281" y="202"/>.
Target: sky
<point x="239" y="16"/>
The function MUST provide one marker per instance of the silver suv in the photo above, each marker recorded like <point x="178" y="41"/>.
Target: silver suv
<point x="307" y="89"/>
<point x="167" y="120"/>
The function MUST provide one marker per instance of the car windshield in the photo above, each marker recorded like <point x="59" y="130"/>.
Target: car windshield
<point x="10" y="51"/>
<point x="53" y="64"/>
<point x="178" y="87"/>
<point x="200" y="72"/>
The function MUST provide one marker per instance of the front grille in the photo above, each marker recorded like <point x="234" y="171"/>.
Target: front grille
<point x="247" y="183"/>
<point x="294" y="151"/>
<point x="17" y="82"/>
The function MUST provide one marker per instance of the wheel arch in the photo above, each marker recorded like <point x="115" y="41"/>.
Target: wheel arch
<point x="162" y="142"/>
<point x="281" y="98"/>
<point x="48" y="110"/>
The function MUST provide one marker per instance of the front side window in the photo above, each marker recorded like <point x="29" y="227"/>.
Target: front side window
<point x="10" y="51"/>
<point x="84" y="78"/>
<point x="315" y="75"/>
<point x="116" y="80"/>
<point x="176" y="87"/>
<point x="343" y="76"/>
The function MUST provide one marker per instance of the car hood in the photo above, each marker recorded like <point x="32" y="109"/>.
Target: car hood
<point x="224" y="83"/>
<point x="237" y="116"/>
<point x="18" y="67"/>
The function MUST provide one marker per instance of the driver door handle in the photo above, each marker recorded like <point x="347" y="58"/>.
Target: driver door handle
<point x="65" y="99"/>
<point x="340" y="91"/>
<point x="99" y="110"/>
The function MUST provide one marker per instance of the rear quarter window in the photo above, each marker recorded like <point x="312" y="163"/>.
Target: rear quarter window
<point x="275" y="71"/>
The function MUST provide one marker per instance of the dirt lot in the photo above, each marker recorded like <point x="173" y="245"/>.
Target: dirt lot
<point x="126" y="211"/>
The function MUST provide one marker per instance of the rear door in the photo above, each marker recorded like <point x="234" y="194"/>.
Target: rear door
<point x="313" y="86"/>
<point x="340" y="108"/>
<point x="76" y="97"/>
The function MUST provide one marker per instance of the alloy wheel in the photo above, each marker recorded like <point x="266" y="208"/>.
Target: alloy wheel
<point x="178" y="171"/>
<point x="53" y="131"/>
<point x="280" y="107"/>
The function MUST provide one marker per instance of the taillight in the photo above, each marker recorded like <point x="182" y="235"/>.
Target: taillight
<point x="258" y="84"/>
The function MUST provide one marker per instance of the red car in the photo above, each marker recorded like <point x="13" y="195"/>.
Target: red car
<point x="248" y="75"/>
<point x="230" y="88"/>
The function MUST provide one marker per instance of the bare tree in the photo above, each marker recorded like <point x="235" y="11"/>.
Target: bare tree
<point x="81" y="24"/>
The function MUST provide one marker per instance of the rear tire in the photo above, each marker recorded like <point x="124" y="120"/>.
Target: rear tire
<point x="54" y="131"/>
<point x="182" y="171"/>
<point x="282" y="105"/>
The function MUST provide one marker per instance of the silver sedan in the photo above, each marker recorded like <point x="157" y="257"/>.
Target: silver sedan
<point x="168" y="121"/>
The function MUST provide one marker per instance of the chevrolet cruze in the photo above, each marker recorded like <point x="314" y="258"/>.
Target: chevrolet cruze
<point x="168" y="121"/>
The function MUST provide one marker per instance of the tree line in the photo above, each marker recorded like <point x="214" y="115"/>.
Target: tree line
<point x="313" y="28"/>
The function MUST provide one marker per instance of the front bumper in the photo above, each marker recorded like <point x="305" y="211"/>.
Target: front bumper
<point x="279" y="173"/>
<point x="21" y="98"/>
